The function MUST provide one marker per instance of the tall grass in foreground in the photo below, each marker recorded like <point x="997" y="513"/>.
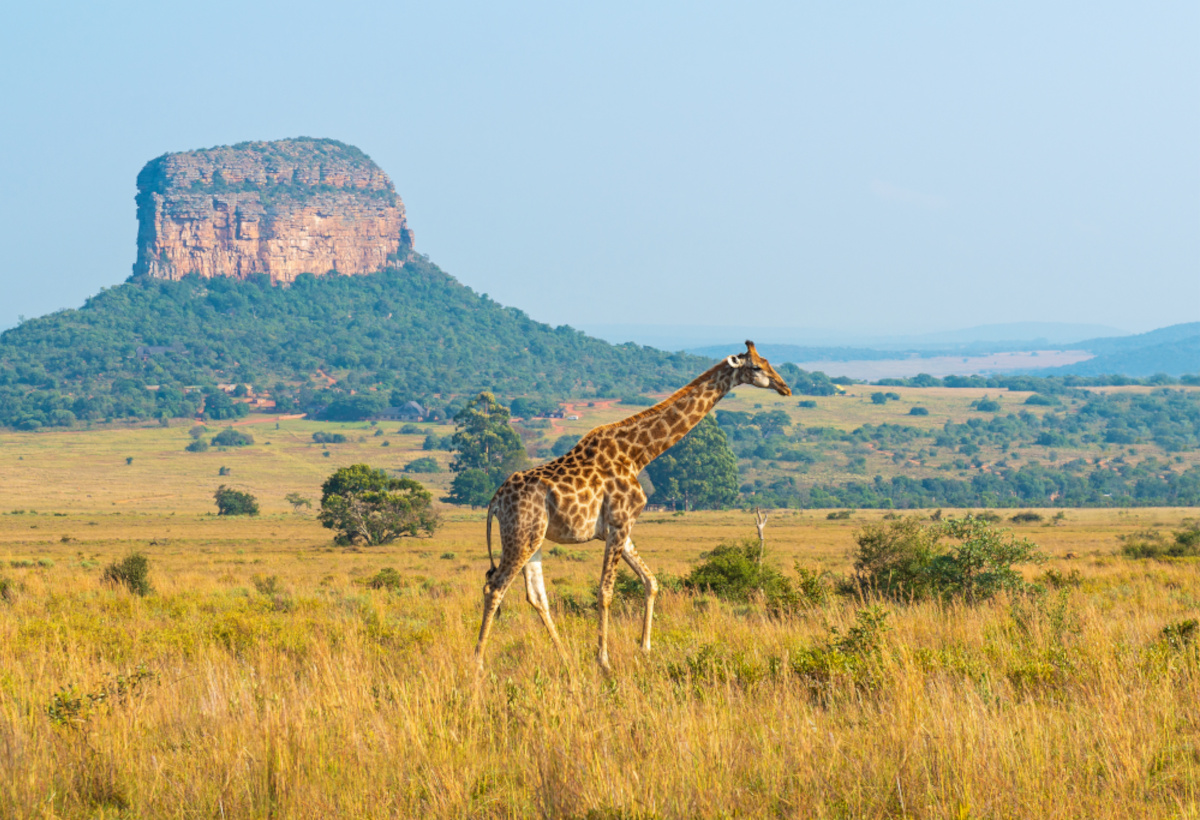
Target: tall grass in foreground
<point x="297" y="698"/>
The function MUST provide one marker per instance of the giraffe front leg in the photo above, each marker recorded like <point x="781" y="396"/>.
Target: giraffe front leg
<point x="649" y="582"/>
<point x="613" y="548"/>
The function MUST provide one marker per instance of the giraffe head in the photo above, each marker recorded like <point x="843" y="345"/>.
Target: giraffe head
<point x="751" y="368"/>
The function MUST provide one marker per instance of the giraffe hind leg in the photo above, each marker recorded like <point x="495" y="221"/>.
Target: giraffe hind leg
<point x="519" y="540"/>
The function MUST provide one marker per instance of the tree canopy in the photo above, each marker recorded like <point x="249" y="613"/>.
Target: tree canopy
<point x="698" y="473"/>
<point x="365" y="504"/>
<point x="487" y="451"/>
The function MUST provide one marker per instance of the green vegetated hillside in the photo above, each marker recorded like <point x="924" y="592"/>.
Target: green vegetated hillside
<point x="408" y="333"/>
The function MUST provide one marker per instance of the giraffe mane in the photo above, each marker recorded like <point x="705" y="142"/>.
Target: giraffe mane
<point x="686" y="390"/>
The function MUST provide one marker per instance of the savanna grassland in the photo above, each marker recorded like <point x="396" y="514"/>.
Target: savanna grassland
<point x="265" y="676"/>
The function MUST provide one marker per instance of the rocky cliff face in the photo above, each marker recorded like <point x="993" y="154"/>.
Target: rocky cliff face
<point x="280" y="208"/>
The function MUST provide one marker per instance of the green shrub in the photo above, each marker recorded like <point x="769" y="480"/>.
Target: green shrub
<point x="321" y="437"/>
<point x="918" y="411"/>
<point x="807" y="404"/>
<point x="387" y="578"/>
<point x="131" y="572"/>
<point x="197" y="446"/>
<point x="232" y="438"/>
<point x="235" y="502"/>
<point x="839" y="515"/>
<point x="733" y="572"/>
<point x="1056" y="580"/>
<point x="966" y="558"/>
<point x="893" y="558"/>
<point x="409" y="430"/>
<point x="1180" y="635"/>
<point x="813" y="588"/>
<point x="8" y="589"/>
<point x="1185" y="543"/>
<point x="424" y="464"/>
<point x="847" y="661"/>
<point x="1026" y="517"/>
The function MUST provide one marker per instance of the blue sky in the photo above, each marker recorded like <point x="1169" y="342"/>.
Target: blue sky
<point x="856" y="169"/>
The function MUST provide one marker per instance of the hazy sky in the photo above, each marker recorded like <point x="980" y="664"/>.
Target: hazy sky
<point x="886" y="167"/>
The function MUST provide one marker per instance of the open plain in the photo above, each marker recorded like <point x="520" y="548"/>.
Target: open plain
<point x="264" y="676"/>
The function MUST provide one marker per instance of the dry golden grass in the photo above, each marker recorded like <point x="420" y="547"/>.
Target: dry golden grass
<point x="312" y="695"/>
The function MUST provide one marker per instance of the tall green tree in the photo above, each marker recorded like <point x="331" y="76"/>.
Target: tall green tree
<point x="699" y="472"/>
<point x="487" y="451"/>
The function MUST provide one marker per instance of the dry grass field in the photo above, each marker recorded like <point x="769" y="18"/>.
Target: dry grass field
<point x="264" y="676"/>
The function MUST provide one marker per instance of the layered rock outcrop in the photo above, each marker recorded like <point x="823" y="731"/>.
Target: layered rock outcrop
<point x="280" y="208"/>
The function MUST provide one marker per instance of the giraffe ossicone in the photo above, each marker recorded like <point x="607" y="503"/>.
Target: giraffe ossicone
<point x="592" y="493"/>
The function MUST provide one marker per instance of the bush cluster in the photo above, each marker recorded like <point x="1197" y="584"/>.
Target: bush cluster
<point x="967" y="558"/>
<point x="235" y="502"/>
<point x="232" y="438"/>
<point x="131" y="572"/>
<point x="1153" y="544"/>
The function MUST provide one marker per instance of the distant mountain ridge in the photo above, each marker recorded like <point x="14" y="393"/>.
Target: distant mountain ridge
<point x="1172" y="350"/>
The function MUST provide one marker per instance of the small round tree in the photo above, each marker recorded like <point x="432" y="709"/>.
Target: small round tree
<point x="367" y="505"/>
<point x="235" y="502"/>
<point x="232" y="438"/>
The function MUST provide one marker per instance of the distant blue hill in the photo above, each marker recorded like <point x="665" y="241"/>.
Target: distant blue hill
<point x="780" y="353"/>
<point x="1173" y="350"/>
<point x="1162" y="336"/>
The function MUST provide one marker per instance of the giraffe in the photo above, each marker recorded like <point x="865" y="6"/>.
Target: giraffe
<point x="592" y="493"/>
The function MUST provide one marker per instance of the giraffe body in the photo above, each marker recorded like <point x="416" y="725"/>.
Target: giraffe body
<point x="592" y="493"/>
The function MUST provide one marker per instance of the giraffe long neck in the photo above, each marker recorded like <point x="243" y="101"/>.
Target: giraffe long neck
<point x="650" y="433"/>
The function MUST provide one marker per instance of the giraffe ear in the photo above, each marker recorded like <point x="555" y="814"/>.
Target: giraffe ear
<point x="734" y="362"/>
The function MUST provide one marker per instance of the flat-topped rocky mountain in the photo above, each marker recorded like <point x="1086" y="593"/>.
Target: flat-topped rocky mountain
<point x="279" y="208"/>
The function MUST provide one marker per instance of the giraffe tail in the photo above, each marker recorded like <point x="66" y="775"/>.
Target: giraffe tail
<point x="491" y="560"/>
